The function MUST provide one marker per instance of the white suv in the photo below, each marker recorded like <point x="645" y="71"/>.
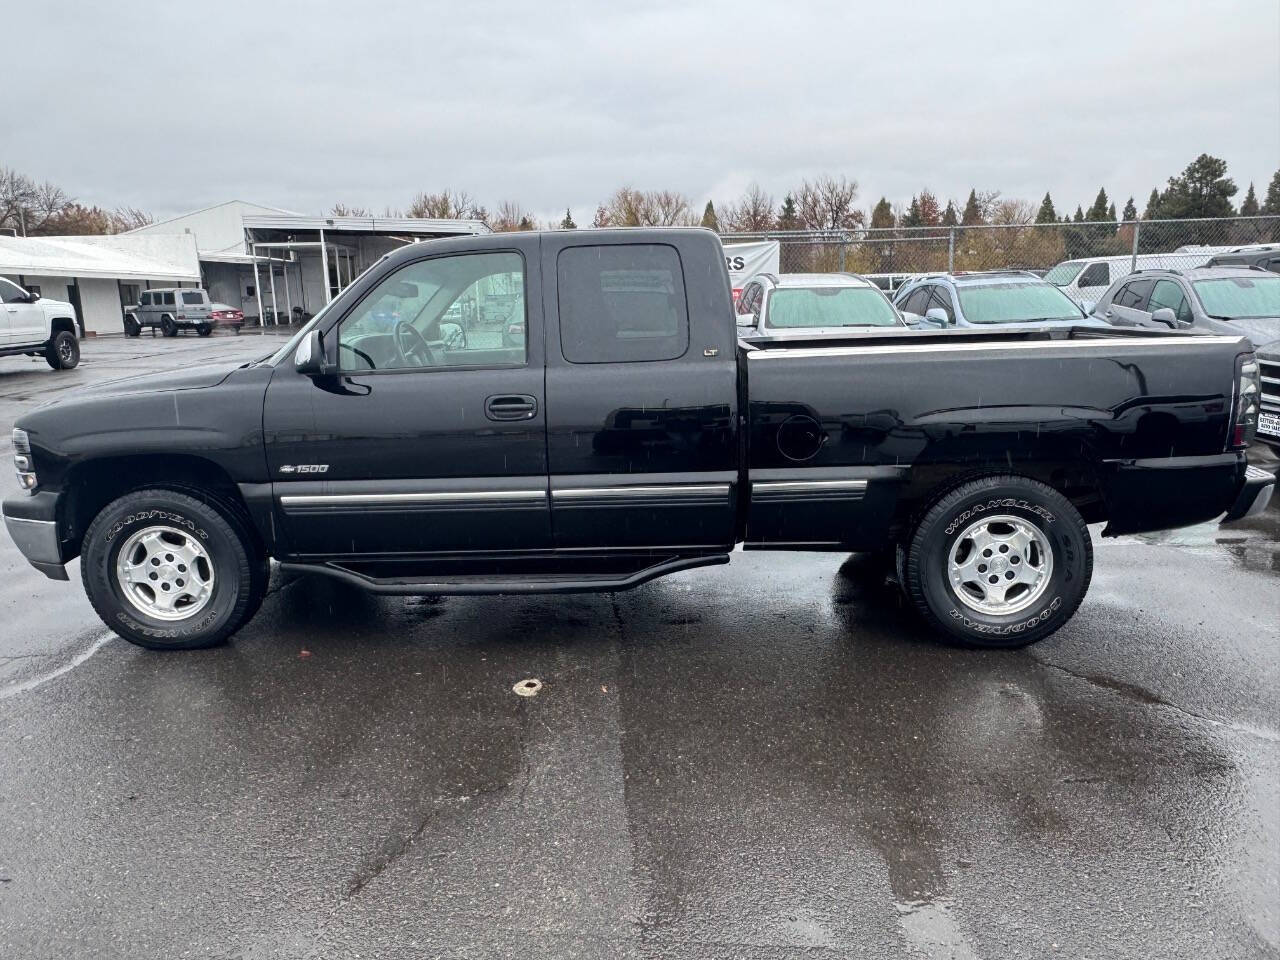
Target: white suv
<point x="33" y="325"/>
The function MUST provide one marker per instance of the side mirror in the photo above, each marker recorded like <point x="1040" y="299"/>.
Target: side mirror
<point x="747" y="319"/>
<point x="937" y="315"/>
<point x="32" y="296"/>
<point x="1164" y="315"/>
<point x="309" y="358"/>
<point x="912" y="319"/>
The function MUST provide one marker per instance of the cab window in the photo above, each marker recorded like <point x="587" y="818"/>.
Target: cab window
<point x="1133" y="294"/>
<point x="460" y="311"/>
<point x="1094" y="276"/>
<point x="1168" y="294"/>
<point x="11" y="292"/>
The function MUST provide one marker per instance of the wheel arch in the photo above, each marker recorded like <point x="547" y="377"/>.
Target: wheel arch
<point x="92" y="484"/>
<point x="59" y="324"/>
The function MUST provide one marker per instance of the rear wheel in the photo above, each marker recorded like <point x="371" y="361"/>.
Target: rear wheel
<point x="63" y="350"/>
<point x="168" y="327"/>
<point x="204" y="329"/>
<point x="169" y="571"/>
<point x="1000" y="561"/>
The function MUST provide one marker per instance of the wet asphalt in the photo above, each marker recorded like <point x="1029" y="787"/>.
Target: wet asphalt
<point x="765" y="759"/>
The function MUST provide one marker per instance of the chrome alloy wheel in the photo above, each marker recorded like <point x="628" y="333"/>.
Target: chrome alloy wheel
<point x="66" y="351"/>
<point x="165" y="572"/>
<point x="1000" y="565"/>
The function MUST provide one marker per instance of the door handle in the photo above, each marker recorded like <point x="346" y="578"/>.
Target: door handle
<point x="517" y="406"/>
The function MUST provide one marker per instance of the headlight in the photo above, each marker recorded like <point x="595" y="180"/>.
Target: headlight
<point x="22" y="459"/>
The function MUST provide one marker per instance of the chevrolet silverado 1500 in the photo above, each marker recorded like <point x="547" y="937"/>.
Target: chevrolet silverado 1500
<point x="625" y="433"/>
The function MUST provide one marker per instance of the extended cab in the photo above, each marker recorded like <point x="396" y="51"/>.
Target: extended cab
<point x="37" y="327"/>
<point x="624" y="435"/>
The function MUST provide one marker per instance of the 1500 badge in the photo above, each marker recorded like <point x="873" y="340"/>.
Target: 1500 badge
<point x="305" y="468"/>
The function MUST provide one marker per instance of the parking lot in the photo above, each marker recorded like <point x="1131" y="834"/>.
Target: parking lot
<point x="765" y="759"/>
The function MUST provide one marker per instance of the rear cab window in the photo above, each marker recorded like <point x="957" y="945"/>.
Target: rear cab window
<point x="622" y="303"/>
<point x="192" y="298"/>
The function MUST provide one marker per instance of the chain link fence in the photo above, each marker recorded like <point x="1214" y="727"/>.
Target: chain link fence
<point x="900" y="252"/>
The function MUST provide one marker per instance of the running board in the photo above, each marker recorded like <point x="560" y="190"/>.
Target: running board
<point x="363" y="574"/>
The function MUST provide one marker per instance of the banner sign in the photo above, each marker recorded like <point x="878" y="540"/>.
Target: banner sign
<point x="745" y="260"/>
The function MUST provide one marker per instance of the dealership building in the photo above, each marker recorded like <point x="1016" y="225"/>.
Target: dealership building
<point x="263" y="260"/>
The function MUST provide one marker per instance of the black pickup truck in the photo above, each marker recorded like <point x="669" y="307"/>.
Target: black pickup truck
<point x="612" y="429"/>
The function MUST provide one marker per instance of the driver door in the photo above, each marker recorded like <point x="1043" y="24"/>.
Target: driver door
<point x="432" y="437"/>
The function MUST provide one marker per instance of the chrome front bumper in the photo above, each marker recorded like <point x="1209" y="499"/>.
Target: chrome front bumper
<point x="37" y="538"/>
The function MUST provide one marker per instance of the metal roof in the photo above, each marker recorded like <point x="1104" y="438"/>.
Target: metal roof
<point x="117" y="257"/>
<point x="402" y="225"/>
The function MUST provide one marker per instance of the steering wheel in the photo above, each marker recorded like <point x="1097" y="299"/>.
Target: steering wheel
<point x="416" y="352"/>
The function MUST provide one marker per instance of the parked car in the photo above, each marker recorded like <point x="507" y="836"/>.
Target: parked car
<point x="1240" y="301"/>
<point x="809" y="305"/>
<point x="632" y="435"/>
<point x="1010" y="299"/>
<point x="1266" y="257"/>
<point x="37" y="327"/>
<point x="180" y="308"/>
<point x="1269" y="415"/>
<point x="1086" y="280"/>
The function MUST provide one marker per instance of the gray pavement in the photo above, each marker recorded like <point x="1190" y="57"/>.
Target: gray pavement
<point x="769" y="759"/>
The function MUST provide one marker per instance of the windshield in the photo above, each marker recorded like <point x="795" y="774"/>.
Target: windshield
<point x="1064" y="273"/>
<point x="1240" y="298"/>
<point x="1015" y="303"/>
<point x="829" y="307"/>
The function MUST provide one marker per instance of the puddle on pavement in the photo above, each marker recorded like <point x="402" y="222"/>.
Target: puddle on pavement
<point x="930" y="927"/>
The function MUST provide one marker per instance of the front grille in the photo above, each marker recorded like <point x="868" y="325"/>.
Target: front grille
<point x="1270" y="371"/>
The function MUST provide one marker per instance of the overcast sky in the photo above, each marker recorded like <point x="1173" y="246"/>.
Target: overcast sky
<point x="170" y="106"/>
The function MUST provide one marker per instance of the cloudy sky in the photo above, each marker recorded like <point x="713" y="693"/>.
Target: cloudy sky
<point x="169" y="106"/>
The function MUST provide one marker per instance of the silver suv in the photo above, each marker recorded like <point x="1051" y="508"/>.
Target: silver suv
<point x="180" y="308"/>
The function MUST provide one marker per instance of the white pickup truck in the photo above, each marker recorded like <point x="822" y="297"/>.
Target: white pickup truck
<point x="38" y="327"/>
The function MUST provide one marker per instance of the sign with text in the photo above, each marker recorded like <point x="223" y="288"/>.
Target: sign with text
<point x="745" y="260"/>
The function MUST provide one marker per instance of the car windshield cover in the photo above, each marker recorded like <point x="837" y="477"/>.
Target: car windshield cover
<point x="1015" y="303"/>
<point x="1064" y="273"/>
<point x="1240" y="298"/>
<point x="792" y="307"/>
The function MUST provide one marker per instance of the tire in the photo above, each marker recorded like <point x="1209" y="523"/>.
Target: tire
<point x="63" y="351"/>
<point x="168" y="327"/>
<point x="1039" y="549"/>
<point x="204" y="329"/>
<point x="170" y="527"/>
<point x="131" y="327"/>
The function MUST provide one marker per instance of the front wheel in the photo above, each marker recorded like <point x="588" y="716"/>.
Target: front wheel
<point x="167" y="571"/>
<point x="63" y="351"/>
<point x="1000" y="561"/>
<point x="131" y="327"/>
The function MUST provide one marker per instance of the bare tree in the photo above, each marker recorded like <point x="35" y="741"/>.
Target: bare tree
<point x="629" y="207"/>
<point x="828" y="204"/>
<point x="342" y="210"/>
<point x="511" y="216"/>
<point x="1011" y="212"/>
<point x="445" y="205"/>
<point x="601" y="218"/>
<point x="124" y="219"/>
<point x="753" y="212"/>
<point x="26" y="207"/>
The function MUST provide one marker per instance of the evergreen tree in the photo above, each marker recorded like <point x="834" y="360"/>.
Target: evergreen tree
<point x="1111" y="212"/>
<point x="1130" y="211"/>
<point x="788" y="219"/>
<point x="912" y="217"/>
<point x="567" y="223"/>
<point x="1098" y="212"/>
<point x="1271" y="206"/>
<point x="1153" y="206"/>
<point x="1249" y="208"/>
<point x="709" y="219"/>
<point x="949" y="216"/>
<point x="1079" y="217"/>
<point x="1203" y="189"/>
<point x="882" y="215"/>
<point x="1047" y="214"/>
<point x="972" y="211"/>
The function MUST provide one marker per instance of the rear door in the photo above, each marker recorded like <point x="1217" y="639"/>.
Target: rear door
<point x="425" y="443"/>
<point x="641" y="400"/>
<point x="195" y="306"/>
<point x="1128" y="307"/>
